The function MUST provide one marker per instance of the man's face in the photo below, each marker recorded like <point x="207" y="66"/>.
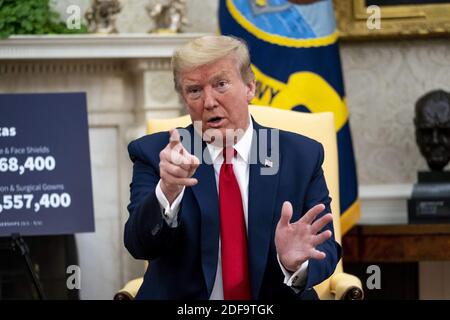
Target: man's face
<point x="216" y="95"/>
<point x="433" y="133"/>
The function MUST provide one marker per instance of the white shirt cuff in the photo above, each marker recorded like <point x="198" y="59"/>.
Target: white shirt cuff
<point x="296" y="279"/>
<point x="169" y="212"/>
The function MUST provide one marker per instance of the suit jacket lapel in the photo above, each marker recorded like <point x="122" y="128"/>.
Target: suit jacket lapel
<point x="262" y="196"/>
<point x="206" y="193"/>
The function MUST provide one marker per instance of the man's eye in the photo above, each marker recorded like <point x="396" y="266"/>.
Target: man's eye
<point x="193" y="92"/>
<point x="222" y="85"/>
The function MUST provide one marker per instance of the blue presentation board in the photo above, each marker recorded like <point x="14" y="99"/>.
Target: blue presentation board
<point x="45" y="171"/>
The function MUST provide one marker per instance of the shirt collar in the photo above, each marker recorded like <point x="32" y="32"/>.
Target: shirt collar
<point x="242" y="147"/>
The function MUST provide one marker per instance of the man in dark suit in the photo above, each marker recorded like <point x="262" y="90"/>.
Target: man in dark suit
<point x="216" y="218"/>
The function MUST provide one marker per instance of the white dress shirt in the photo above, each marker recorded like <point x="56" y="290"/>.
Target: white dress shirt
<point x="241" y="170"/>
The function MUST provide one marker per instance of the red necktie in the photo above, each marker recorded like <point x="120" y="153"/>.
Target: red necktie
<point x="233" y="235"/>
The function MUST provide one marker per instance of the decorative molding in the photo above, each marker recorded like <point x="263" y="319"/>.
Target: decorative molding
<point x="384" y="204"/>
<point x="117" y="46"/>
<point x="155" y="64"/>
<point x="385" y="191"/>
<point x="61" y="66"/>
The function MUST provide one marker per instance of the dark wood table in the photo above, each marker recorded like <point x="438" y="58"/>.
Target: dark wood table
<point x="397" y="251"/>
<point x="397" y="243"/>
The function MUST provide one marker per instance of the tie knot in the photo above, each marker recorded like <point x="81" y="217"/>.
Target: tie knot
<point x="228" y="154"/>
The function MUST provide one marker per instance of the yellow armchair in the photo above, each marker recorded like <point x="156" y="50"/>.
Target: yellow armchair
<point x="320" y="127"/>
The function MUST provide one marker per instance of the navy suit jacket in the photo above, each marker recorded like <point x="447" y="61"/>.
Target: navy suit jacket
<point x="183" y="260"/>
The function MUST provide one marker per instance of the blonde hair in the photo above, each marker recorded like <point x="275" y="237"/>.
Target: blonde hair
<point x="208" y="49"/>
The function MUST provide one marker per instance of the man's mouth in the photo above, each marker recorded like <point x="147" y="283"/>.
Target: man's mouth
<point x="215" y="122"/>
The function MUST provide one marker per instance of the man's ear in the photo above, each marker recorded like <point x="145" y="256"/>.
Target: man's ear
<point x="251" y="89"/>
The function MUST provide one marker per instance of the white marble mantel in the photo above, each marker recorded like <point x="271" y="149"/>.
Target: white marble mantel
<point x="117" y="46"/>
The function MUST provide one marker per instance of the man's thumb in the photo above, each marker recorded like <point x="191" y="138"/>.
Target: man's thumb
<point x="286" y="213"/>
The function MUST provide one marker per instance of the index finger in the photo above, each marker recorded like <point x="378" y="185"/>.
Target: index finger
<point x="178" y="158"/>
<point x="312" y="213"/>
<point x="174" y="137"/>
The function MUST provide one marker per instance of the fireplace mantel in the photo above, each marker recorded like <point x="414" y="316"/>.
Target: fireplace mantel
<point x="117" y="46"/>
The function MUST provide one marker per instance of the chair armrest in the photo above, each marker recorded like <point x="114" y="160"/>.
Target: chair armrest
<point x="346" y="287"/>
<point x="129" y="291"/>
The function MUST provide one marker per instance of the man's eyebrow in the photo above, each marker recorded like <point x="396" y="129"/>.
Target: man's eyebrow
<point x="219" y="76"/>
<point x="189" y="86"/>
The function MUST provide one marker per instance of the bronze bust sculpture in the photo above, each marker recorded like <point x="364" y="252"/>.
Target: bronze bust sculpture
<point x="432" y="122"/>
<point x="430" y="199"/>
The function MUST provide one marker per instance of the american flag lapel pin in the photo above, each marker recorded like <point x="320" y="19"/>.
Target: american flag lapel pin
<point x="268" y="163"/>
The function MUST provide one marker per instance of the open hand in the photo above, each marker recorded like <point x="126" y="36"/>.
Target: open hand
<point x="296" y="242"/>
